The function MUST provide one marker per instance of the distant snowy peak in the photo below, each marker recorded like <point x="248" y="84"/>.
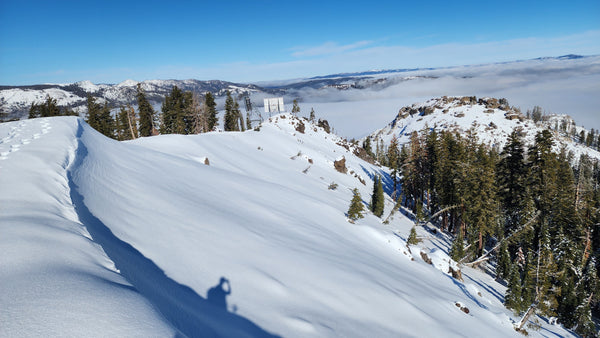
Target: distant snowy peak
<point x="491" y="119"/>
<point x="127" y="83"/>
<point x="87" y="86"/>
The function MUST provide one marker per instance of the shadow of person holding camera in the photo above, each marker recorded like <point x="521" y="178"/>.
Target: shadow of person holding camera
<point x="218" y="293"/>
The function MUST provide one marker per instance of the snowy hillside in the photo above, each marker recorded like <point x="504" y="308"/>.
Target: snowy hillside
<point x="15" y="101"/>
<point x="491" y="119"/>
<point x="219" y="234"/>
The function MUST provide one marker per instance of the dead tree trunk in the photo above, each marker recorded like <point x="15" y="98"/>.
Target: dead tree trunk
<point x="130" y="114"/>
<point x="445" y="217"/>
<point x="525" y="318"/>
<point x="484" y="256"/>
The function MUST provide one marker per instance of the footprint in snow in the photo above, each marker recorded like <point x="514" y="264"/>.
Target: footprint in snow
<point x="25" y="141"/>
<point x="36" y="135"/>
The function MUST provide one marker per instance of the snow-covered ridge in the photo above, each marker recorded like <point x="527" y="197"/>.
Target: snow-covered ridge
<point x="242" y="231"/>
<point x="491" y="119"/>
<point x="16" y="101"/>
<point x="87" y="86"/>
<point x="128" y="83"/>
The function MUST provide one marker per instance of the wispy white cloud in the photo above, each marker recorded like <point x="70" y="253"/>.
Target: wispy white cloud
<point x="328" y="48"/>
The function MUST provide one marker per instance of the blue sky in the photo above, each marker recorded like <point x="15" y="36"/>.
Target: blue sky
<point x="111" y="41"/>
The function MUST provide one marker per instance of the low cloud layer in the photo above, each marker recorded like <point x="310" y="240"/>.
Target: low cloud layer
<point x="568" y="86"/>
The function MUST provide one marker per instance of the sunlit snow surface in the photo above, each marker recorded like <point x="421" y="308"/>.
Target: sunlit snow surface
<point x="101" y="238"/>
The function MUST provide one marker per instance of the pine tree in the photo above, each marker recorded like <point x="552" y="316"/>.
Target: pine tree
<point x="503" y="264"/>
<point x="546" y="275"/>
<point x="528" y="289"/>
<point x="457" y="250"/>
<point x="312" y="115"/>
<point x="106" y="122"/>
<point x="590" y="283"/>
<point x="568" y="303"/>
<point x="587" y="291"/>
<point x="367" y="146"/>
<point x="356" y="206"/>
<point x="177" y="113"/>
<point x="412" y="237"/>
<point x="432" y="147"/>
<point x="584" y="325"/>
<point x="47" y="109"/>
<point x="122" y="128"/>
<point x="512" y="183"/>
<point x="590" y="138"/>
<point x="231" y="114"/>
<point x="34" y="111"/>
<point x="211" y="111"/>
<point x="449" y="159"/>
<point x="146" y="113"/>
<point x="562" y="210"/>
<point x="380" y="151"/>
<point x="377" y="199"/>
<point x="412" y="172"/>
<point x="512" y="299"/>
<point x="393" y="155"/>
<point x="93" y="113"/>
<point x="50" y="107"/>
<point x="567" y="262"/>
<point x="295" y="107"/>
<point x="542" y="185"/>
<point x="478" y="195"/>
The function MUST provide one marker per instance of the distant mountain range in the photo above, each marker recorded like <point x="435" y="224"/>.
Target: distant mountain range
<point x="15" y="101"/>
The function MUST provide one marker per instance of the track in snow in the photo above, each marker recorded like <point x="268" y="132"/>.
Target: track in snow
<point x="15" y="139"/>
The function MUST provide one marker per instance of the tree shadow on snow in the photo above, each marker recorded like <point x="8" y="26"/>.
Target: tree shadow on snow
<point x="188" y="312"/>
<point x="386" y="179"/>
<point x="462" y="287"/>
<point x="489" y="289"/>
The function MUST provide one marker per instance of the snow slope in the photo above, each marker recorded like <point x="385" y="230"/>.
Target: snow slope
<point x="133" y="239"/>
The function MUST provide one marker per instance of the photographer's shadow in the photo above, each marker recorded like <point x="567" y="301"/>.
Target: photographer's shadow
<point x="217" y="294"/>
